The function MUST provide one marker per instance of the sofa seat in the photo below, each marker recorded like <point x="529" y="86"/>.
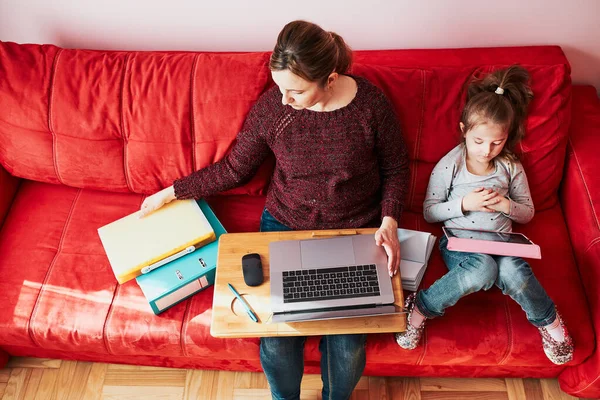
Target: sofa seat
<point x="62" y="311"/>
<point x="65" y="296"/>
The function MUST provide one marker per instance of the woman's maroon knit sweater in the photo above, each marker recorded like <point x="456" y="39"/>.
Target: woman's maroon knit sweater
<point x="346" y="168"/>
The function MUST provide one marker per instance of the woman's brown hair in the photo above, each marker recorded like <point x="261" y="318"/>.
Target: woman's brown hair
<point x="310" y="52"/>
<point x="501" y="97"/>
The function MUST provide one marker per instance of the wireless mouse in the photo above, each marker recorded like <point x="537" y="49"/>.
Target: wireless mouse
<point x="252" y="269"/>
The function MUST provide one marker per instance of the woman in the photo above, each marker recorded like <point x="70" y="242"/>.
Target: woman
<point x="340" y="163"/>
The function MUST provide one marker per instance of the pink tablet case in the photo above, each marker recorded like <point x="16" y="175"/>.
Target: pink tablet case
<point x="491" y="247"/>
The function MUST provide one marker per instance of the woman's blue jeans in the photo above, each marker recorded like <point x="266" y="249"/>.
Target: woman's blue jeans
<point x="282" y="358"/>
<point x="471" y="272"/>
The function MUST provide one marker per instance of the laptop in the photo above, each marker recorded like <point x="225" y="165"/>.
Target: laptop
<point x="338" y="277"/>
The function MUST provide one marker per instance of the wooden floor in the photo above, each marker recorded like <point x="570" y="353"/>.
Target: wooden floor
<point x="44" y="379"/>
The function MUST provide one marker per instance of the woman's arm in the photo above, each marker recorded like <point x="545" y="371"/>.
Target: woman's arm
<point x="250" y="150"/>
<point x="248" y="153"/>
<point x="393" y="159"/>
<point x="393" y="167"/>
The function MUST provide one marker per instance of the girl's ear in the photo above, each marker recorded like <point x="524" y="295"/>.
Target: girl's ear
<point x="462" y="127"/>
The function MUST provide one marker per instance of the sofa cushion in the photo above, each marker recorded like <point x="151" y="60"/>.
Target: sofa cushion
<point x="123" y="121"/>
<point x="484" y="329"/>
<point x="59" y="291"/>
<point x="429" y="102"/>
<point x="55" y="277"/>
<point x="65" y="297"/>
<point x="489" y="328"/>
<point x="26" y="148"/>
<point x="135" y="121"/>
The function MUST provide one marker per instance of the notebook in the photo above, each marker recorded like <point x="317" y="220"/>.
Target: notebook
<point x="132" y="243"/>
<point x="329" y="278"/>
<point x="180" y="279"/>
<point x="415" y="250"/>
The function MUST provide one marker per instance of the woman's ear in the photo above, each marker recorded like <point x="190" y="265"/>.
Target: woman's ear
<point x="331" y="79"/>
<point x="462" y="127"/>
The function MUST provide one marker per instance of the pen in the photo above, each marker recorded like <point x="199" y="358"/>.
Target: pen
<point x="251" y="314"/>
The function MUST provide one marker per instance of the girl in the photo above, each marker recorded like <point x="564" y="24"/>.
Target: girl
<point x="480" y="184"/>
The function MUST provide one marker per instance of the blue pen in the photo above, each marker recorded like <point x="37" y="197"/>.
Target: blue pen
<point x="251" y="314"/>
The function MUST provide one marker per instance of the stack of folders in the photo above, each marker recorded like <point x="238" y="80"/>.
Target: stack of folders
<point x="185" y="276"/>
<point x="172" y="251"/>
<point x="135" y="245"/>
<point x="415" y="249"/>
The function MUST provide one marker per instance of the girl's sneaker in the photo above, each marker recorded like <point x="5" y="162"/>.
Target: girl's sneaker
<point x="410" y="338"/>
<point x="558" y="352"/>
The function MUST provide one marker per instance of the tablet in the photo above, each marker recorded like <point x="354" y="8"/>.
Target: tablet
<point x="491" y="242"/>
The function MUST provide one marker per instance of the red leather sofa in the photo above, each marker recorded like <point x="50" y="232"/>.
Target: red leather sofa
<point x="85" y="135"/>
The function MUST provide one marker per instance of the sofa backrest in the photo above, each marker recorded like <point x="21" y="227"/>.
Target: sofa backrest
<point x="135" y="121"/>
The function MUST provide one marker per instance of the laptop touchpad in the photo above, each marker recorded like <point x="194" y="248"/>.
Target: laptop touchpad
<point x="327" y="252"/>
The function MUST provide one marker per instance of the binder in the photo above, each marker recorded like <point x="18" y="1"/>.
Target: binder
<point x="132" y="243"/>
<point x="188" y="275"/>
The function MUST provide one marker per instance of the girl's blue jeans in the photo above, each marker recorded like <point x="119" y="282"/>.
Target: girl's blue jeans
<point x="282" y="358"/>
<point x="471" y="272"/>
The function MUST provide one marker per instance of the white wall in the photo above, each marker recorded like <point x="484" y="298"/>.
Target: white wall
<point x="245" y="25"/>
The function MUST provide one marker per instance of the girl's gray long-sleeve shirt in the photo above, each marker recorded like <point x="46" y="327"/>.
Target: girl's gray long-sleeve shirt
<point x="450" y="181"/>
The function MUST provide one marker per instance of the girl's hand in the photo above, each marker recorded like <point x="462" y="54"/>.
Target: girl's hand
<point x="387" y="236"/>
<point x="502" y="204"/>
<point x="156" y="201"/>
<point x="480" y="199"/>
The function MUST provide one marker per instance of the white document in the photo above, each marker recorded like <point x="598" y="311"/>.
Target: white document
<point x="415" y="250"/>
<point x="410" y="269"/>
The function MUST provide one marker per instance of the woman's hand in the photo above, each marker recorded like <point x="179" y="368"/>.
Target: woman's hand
<point x="156" y="201"/>
<point x="387" y="236"/>
<point x="480" y="199"/>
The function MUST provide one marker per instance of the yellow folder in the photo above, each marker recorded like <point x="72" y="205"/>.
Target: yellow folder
<point x="132" y="243"/>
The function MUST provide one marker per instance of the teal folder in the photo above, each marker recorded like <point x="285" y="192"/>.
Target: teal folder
<point x="176" y="281"/>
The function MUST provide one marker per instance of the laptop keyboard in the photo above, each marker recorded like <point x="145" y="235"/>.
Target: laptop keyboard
<point x="330" y="283"/>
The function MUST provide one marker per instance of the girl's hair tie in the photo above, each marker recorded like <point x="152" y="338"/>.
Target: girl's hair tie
<point x="499" y="90"/>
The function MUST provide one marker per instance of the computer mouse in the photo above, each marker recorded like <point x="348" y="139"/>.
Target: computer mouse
<point x="252" y="269"/>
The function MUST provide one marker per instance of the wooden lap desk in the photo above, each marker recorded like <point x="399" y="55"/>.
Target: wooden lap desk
<point x="229" y="318"/>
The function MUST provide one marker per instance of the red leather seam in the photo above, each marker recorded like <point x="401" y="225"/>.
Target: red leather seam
<point x="58" y="250"/>
<point x="584" y="183"/>
<point x="592" y="244"/>
<point x="417" y="143"/>
<point x="108" y="315"/>
<point x="192" y="104"/>
<point x="110" y="309"/>
<point x="50" y="97"/>
<point x="587" y="386"/>
<point x="508" y="333"/>
<point x="183" y="330"/>
<point x="123" y="132"/>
